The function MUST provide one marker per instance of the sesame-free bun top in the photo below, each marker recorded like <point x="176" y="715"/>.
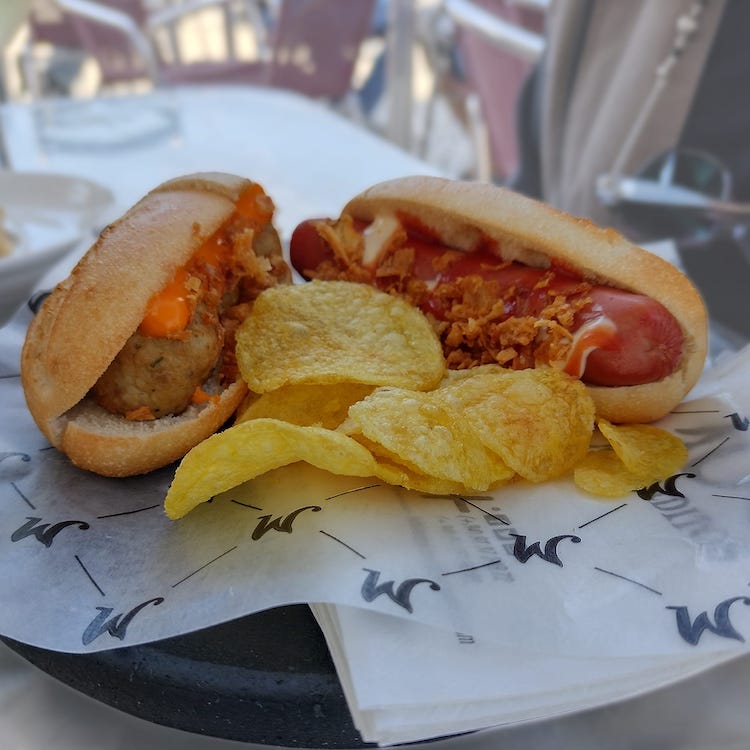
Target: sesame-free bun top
<point x="89" y="316"/>
<point x="462" y="214"/>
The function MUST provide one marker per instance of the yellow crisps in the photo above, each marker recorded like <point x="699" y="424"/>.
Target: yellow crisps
<point x="393" y="470"/>
<point x="603" y="474"/>
<point x="313" y="405"/>
<point x="353" y="381"/>
<point x="247" y="450"/>
<point x="452" y="377"/>
<point x="645" y="449"/>
<point x="427" y="438"/>
<point x="639" y="456"/>
<point x="337" y="332"/>
<point x="393" y="473"/>
<point x="538" y="421"/>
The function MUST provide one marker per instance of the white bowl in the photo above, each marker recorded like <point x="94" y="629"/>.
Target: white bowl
<point x="46" y="215"/>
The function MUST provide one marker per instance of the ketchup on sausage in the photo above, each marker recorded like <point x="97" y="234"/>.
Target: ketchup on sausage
<point x="615" y="337"/>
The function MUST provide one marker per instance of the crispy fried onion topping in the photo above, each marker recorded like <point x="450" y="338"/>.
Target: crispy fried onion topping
<point x="478" y="322"/>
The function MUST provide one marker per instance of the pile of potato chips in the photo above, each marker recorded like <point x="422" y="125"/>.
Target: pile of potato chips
<point x="353" y="381"/>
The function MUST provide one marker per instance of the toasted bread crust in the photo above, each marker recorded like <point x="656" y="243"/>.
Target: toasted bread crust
<point x="462" y="214"/>
<point x="89" y="317"/>
<point x="111" y="446"/>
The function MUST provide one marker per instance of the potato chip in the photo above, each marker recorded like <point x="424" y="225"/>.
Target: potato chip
<point x="307" y="405"/>
<point x="639" y="456"/>
<point x="247" y="450"/>
<point x="644" y="449"/>
<point x="538" y="421"/>
<point x="393" y="470"/>
<point x="394" y="473"/>
<point x="452" y="377"/>
<point x="603" y="474"/>
<point x="427" y="438"/>
<point x="337" y="332"/>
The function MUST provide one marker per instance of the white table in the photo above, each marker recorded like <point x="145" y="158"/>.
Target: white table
<point x="309" y="159"/>
<point x="311" y="162"/>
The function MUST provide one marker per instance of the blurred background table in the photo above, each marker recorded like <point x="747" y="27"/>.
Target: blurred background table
<point x="308" y="158"/>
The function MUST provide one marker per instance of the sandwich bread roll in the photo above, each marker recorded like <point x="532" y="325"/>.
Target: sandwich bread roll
<point x="130" y="361"/>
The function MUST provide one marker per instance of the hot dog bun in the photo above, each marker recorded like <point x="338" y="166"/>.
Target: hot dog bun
<point x="461" y="214"/>
<point x="89" y="317"/>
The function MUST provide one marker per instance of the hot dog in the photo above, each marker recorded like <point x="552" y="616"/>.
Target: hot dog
<point x="510" y="280"/>
<point x="129" y="363"/>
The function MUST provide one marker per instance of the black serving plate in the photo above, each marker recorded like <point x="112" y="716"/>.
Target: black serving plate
<point x="266" y="678"/>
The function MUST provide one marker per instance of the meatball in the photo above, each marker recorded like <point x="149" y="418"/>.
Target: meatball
<point x="153" y="377"/>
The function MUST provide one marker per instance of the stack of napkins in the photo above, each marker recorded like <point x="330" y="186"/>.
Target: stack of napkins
<point x="406" y="682"/>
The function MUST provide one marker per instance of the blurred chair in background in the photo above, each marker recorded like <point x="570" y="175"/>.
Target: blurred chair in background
<point x="313" y="47"/>
<point x="132" y="41"/>
<point x="316" y="44"/>
<point x="309" y="46"/>
<point x="118" y="42"/>
<point x="481" y="52"/>
<point x="52" y="55"/>
<point x="499" y="41"/>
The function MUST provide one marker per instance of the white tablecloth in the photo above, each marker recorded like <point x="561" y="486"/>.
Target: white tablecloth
<point x="308" y="158"/>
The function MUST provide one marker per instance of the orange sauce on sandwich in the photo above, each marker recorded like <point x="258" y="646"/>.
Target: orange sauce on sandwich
<point x="169" y="311"/>
<point x="255" y="205"/>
